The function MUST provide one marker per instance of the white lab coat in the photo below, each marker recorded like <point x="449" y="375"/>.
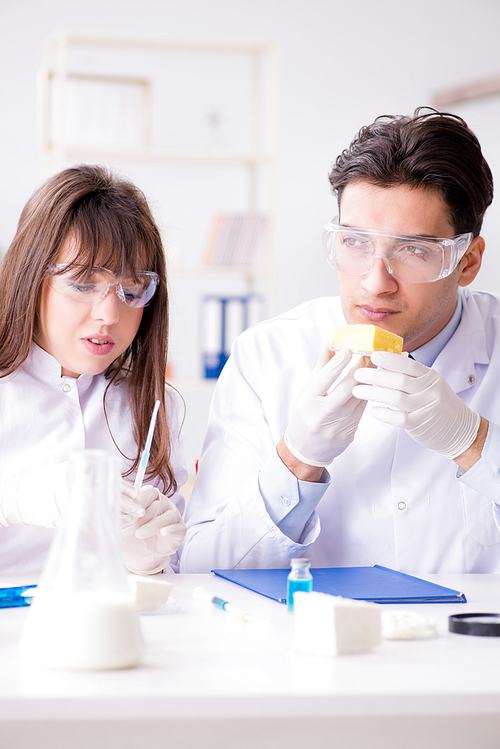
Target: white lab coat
<point x="44" y="417"/>
<point x="390" y="501"/>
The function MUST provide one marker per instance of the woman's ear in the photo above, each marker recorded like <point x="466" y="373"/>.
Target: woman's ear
<point x="471" y="261"/>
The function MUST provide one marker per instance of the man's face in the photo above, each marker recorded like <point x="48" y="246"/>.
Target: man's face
<point x="415" y="311"/>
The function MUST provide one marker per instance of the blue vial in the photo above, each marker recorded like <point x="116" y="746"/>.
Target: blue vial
<point x="299" y="578"/>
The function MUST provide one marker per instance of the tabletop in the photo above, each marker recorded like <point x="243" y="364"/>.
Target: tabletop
<point x="206" y="674"/>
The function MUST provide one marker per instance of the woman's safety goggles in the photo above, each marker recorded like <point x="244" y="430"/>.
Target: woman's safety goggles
<point x="90" y="289"/>
<point x="408" y="258"/>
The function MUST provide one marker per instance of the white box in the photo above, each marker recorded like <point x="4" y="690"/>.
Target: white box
<point x="331" y="625"/>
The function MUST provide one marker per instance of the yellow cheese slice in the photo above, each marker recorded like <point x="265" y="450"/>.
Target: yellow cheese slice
<point x="365" y="339"/>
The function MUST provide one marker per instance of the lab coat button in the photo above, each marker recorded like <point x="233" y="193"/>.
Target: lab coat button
<point x="66" y="388"/>
<point x="471" y="379"/>
<point x="401" y="505"/>
<point x="285" y="501"/>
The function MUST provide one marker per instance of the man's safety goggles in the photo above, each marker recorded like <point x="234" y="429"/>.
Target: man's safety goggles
<point x="408" y="258"/>
<point x="68" y="280"/>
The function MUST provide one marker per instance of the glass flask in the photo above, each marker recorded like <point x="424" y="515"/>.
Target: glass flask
<point x="83" y="615"/>
<point x="299" y="578"/>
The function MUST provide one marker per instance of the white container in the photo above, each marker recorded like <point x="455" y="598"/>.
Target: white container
<point x="83" y="615"/>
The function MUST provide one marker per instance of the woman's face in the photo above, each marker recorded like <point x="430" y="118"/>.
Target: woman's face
<point x="85" y="338"/>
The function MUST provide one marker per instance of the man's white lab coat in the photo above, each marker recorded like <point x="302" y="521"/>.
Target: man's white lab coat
<point x="389" y="502"/>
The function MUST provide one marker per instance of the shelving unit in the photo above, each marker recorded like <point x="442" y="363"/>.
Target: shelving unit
<point x="60" y="146"/>
<point x="158" y="98"/>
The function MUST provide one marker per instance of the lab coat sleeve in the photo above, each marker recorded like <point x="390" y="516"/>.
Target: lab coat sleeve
<point x="484" y="476"/>
<point x="289" y="502"/>
<point x="228" y="521"/>
<point x="36" y="497"/>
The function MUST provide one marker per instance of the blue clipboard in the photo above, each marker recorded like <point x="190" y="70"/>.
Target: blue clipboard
<point x="378" y="584"/>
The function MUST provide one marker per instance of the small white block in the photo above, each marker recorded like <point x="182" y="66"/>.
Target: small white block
<point x="150" y="592"/>
<point x="331" y="625"/>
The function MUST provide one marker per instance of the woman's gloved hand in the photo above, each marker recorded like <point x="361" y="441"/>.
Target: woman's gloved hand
<point x="151" y="536"/>
<point x="427" y="408"/>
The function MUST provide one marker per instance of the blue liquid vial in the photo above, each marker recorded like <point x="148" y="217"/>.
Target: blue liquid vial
<point x="299" y="578"/>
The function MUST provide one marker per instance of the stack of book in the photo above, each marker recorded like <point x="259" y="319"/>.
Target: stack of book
<point x="223" y="319"/>
<point x="235" y="239"/>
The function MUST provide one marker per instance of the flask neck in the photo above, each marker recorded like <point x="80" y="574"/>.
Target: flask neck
<point x="86" y="554"/>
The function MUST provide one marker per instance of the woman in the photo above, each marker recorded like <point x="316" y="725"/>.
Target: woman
<point x="83" y="350"/>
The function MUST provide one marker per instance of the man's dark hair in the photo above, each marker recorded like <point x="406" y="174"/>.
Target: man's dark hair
<point x="430" y="149"/>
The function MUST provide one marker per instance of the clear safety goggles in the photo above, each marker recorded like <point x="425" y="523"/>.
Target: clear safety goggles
<point x="136" y="292"/>
<point x="408" y="258"/>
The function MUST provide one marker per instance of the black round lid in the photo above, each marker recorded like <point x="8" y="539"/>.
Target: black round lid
<point x="482" y="625"/>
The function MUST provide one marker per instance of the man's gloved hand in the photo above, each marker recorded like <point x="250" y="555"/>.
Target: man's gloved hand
<point x="428" y="409"/>
<point x="149" y="540"/>
<point x="324" y="419"/>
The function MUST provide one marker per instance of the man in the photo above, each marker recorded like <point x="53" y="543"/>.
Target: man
<point x="398" y="461"/>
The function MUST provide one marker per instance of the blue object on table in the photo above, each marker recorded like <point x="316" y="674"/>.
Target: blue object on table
<point x="299" y="578"/>
<point x="378" y="584"/>
<point x="13" y="597"/>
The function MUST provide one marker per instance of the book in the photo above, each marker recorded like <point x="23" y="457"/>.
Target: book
<point x="223" y="319"/>
<point x="377" y="584"/>
<point x="235" y="239"/>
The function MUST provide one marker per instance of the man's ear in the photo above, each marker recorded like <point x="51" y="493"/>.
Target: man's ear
<point x="471" y="261"/>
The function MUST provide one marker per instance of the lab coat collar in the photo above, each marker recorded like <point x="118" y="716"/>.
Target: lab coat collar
<point x="47" y="367"/>
<point x="465" y="349"/>
<point x="429" y="352"/>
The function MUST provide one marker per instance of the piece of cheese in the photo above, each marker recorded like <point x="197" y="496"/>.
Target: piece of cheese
<point x="332" y="625"/>
<point x="365" y="339"/>
<point x="407" y="625"/>
<point x="150" y="592"/>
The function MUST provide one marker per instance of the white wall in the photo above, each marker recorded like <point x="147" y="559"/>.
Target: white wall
<point x="342" y="64"/>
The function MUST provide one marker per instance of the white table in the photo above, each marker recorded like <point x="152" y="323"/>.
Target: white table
<point x="209" y="680"/>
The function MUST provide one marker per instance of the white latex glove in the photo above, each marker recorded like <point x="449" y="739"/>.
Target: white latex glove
<point x="428" y="409"/>
<point x="148" y="541"/>
<point x="324" y="419"/>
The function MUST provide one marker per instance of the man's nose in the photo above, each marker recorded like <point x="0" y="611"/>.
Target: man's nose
<point x="379" y="278"/>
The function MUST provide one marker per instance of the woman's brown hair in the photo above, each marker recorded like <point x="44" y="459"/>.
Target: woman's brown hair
<point x="112" y="224"/>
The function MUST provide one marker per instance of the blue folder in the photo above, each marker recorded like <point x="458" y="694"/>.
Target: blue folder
<point x="377" y="584"/>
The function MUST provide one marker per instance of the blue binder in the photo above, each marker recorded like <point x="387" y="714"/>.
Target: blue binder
<point x="378" y="584"/>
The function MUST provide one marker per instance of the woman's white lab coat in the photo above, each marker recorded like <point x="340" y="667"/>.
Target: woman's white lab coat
<point x="44" y="417"/>
<point x="390" y="501"/>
